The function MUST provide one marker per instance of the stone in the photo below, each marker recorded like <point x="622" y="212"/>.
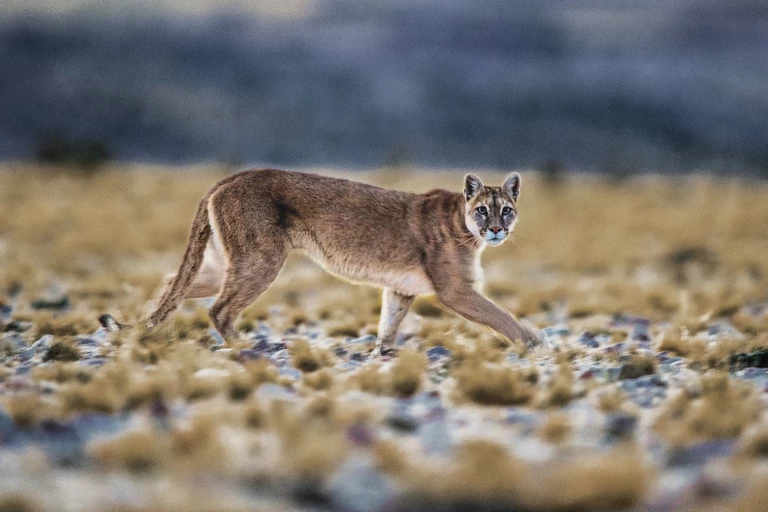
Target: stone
<point x="620" y="425"/>
<point x="357" y="356"/>
<point x="362" y="340"/>
<point x="360" y="435"/>
<point x="402" y="421"/>
<point x="289" y="371"/>
<point x="14" y="340"/>
<point x="358" y="486"/>
<point x="17" y="326"/>
<point x="218" y="373"/>
<point x="274" y="391"/>
<point x="43" y="344"/>
<point x="59" y="303"/>
<point x="633" y="371"/>
<point x="435" y="353"/>
<point x="248" y="354"/>
<point x="27" y="353"/>
<point x="700" y="453"/>
<point x="434" y="434"/>
<point x="218" y="340"/>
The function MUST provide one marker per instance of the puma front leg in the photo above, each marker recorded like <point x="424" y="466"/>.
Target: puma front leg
<point x="473" y="306"/>
<point x="394" y="307"/>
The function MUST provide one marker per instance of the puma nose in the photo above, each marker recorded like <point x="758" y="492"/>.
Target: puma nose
<point x="495" y="229"/>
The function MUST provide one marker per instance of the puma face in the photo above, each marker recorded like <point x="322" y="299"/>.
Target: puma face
<point x="490" y="213"/>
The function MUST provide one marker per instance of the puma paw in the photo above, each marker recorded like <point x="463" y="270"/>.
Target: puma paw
<point x="382" y="350"/>
<point x="533" y="337"/>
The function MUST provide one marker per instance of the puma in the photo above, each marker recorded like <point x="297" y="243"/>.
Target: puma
<point x="406" y="243"/>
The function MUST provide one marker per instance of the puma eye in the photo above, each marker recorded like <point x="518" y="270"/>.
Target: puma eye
<point x="506" y="210"/>
<point x="482" y="210"/>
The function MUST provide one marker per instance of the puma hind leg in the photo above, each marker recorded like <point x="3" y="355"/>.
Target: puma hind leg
<point x="244" y="282"/>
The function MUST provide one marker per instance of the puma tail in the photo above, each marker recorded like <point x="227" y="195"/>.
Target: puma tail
<point x="190" y="264"/>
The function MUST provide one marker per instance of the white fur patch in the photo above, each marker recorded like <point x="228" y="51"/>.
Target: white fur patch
<point x="411" y="282"/>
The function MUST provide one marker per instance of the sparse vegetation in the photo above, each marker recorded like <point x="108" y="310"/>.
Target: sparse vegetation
<point x="299" y="396"/>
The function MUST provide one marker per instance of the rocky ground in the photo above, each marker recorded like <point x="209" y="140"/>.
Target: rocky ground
<point x="653" y="397"/>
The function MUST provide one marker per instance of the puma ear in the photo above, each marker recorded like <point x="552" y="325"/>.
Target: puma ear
<point x="512" y="185"/>
<point x="472" y="185"/>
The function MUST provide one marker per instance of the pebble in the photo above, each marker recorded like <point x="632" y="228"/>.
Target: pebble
<point x="360" y="435"/>
<point x="87" y="341"/>
<point x="22" y="369"/>
<point x="27" y="353"/>
<point x="289" y="371"/>
<point x="435" y="353"/>
<point x="620" y="425"/>
<point x="700" y="453"/>
<point x="17" y="326"/>
<point x="43" y="344"/>
<point x="59" y="303"/>
<point x="61" y="442"/>
<point x="204" y="373"/>
<point x="14" y="340"/>
<point x="248" y="354"/>
<point x="517" y="417"/>
<point x="368" y="339"/>
<point x="752" y="373"/>
<point x="557" y="330"/>
<point x="631" y="371"/>
<point x="434" y="435"/>
<point x="274" y="391"/>
<point x="218" y="340"/>
<point x="617" y="348"/>
<point x="402" y="421"/>
<point x="358" y="486"/>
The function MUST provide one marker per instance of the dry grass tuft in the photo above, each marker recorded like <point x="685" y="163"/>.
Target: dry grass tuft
<point x="560" y="388"/>
<point x="63" y="350"/>
<point x="407" y="372"/>
<point x="137" y="451"/>
<point x="483" y="473"/>
<point x="18" y="502"/>
<point x="496" y="384"/>
<point x="754" y="442"/>
<point x="723" y="408"/>
<point x="403" y="378"/>
<point x="319" y="380"/>
<point x="615" y="480"/>
<point x="556" y="428"/>
<point x="638" y="365"/>
<point x="70" y="324"/>
<point x="28" y="409"/>
<point x="308" y="358"/>
<point x="261" y="371"/>
<point x="98" y="395"/>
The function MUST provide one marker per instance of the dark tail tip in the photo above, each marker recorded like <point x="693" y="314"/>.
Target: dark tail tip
<point x="110" y="324"/>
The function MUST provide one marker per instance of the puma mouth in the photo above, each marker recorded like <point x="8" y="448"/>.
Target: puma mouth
<point x="494" y="239"/>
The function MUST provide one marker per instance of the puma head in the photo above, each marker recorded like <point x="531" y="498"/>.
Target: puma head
<point x="491" y="212"/>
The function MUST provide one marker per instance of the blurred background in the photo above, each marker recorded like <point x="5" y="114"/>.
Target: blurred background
<point x="618" y="87"/>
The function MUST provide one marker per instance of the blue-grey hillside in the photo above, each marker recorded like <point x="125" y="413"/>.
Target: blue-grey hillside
<point x="598" y="85"/>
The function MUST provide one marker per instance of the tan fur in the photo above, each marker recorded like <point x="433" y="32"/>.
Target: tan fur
<point x="406" y="243"/>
